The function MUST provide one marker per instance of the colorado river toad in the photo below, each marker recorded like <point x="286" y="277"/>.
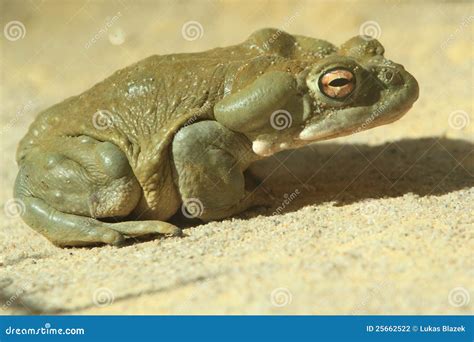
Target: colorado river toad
<point x="121" y="158"/>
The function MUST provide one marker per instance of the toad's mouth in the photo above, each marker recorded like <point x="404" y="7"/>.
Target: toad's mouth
<point x="396" y="102"/>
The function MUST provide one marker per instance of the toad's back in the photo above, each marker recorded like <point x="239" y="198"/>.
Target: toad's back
<point x="140" y="107"/>
<point x="138" y="103"/>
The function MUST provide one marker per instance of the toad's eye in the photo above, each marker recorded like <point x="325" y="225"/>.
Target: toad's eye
<point x="337" y="83"/>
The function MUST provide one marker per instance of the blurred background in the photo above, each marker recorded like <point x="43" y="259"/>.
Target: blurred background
<point x="52" y="49"/>
<point x="60" y="48"/>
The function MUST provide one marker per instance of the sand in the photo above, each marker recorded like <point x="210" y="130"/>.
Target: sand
<point x="377" y="223"/>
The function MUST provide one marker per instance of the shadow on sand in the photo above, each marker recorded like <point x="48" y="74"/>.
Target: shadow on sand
<point x="348" y="173"/>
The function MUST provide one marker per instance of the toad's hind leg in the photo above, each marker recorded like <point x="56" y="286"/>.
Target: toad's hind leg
<point x="67" y="183"/>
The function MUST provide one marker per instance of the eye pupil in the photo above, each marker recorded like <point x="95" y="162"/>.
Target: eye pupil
<point x="339" y="82"/>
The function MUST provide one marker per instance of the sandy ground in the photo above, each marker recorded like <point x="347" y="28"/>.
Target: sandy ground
<point x="376" y="223"/>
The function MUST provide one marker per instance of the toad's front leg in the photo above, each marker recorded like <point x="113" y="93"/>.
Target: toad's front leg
<point x="209" y="161"/>
<point x="270" y="112"/>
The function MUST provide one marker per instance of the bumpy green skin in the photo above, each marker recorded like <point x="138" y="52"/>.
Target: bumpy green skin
<point x="186" y="126"/>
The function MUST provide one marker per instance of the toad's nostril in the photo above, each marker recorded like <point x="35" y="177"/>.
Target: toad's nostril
<point x="390" y="77"/>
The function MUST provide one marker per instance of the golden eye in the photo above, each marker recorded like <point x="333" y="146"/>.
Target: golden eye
<point x="337" y="83"/>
